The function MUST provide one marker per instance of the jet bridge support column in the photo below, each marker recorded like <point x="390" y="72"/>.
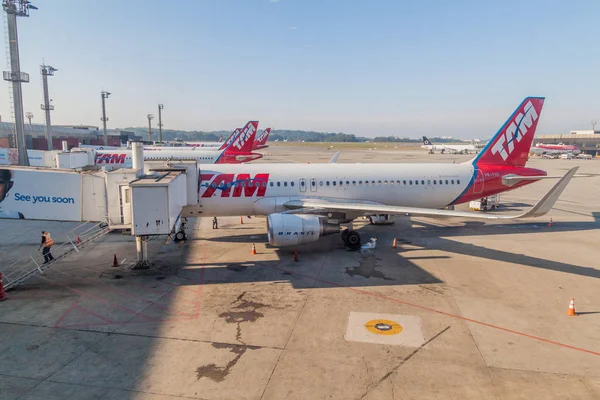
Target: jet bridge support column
<point x="141" y="244"/>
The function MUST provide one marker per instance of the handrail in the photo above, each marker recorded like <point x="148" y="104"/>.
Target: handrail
<point x="27" y="265"/>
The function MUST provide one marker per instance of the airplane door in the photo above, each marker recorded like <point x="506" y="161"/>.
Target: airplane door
<point x="125" y="204"/>
<point x="303" y="185"/>
<point x="313" y="185"/>
<point x="478" y="184"/>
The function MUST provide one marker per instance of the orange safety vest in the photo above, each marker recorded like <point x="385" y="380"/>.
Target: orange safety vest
<point x="48" y="242"/>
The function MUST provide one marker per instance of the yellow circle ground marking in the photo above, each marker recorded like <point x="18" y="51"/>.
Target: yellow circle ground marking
<point x="383" y="327"/>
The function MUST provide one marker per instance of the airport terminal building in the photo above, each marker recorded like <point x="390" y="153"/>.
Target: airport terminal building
<point x="588" y="141"/>
<point x="35" y="136"/>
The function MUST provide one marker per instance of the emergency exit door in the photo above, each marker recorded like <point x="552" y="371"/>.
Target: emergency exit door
<point x="313" y="185"/>
<point x="303" y="185"/>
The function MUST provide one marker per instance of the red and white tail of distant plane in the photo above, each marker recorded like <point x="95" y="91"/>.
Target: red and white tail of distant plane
<point x="261" y="139"/>
<point x="554" y="149"/>
<point x="238" y="150"/>
<point x="305" y="201"/>
<point x="259" y="143"/>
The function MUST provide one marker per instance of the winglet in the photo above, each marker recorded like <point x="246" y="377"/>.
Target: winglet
<point x="334" y="158"/>
<point x="547" y="202"/>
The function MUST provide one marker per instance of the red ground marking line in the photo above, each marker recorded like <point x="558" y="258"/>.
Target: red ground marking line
<point x="108" y="302"/>
<point x="527" y="335"/>
<point x="85" y="310"/>
<point x="81" y="293"/>
<point x="181" y="286"/>
<point x="64" y="315"/>
<point x="146" y="300"/>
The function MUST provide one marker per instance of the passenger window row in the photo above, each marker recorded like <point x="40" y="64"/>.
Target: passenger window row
<point x="411" y="182"/>
<point x="391" y="182"/>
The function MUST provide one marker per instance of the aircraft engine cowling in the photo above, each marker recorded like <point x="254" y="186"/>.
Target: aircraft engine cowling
<point x="294" y="229"/>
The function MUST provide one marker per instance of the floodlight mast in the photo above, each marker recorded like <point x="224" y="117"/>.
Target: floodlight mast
<point x="104" y="95"/>
<point x="47" y="70"/>
<point x="29" y="116"/>
<point x="150" y="118"/>
<point x="160" y="108"/>
<point x="14" y="9"/>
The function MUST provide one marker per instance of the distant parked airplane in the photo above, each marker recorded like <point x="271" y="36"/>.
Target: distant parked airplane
<point x="554" y="149"/>
<point x="452" y="148"/>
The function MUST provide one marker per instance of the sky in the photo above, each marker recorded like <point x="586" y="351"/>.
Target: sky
<point x="380" y="67"/>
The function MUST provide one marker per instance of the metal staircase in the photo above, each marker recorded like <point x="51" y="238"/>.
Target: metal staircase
<point x="33" y="264"/>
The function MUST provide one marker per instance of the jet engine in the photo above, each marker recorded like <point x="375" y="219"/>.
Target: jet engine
<point x="294" y="229"/>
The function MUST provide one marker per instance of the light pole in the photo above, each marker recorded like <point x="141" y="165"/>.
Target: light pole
<point x="150" y="118"/>
<point x="14" y="9"/>
<point x="160" y="107"/>
<point x="29" y="116"/>
<point x="104" y="95"/>
<point x="47" y="70"/>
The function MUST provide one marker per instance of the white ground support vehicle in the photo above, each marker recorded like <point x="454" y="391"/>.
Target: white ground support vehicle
<point x="566" y="156"/>
<point x="584" y="156"/>
<point x="485" y="204"/>
<point x="381" y="219"/>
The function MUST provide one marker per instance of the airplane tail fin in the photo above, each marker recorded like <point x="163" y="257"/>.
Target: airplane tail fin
<point x="511" y="144"/>
<point x="261" y="138"/>
<point x="230" y="139"/>
<point x="426" y="141"/>
<point x="244" y="141"/>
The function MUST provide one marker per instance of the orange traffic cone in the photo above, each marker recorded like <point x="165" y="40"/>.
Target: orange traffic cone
<point x="78" y="239"/>
<point x="253" y="252"/>
<point x="295" y="256"/>
<point x="2" y="292"/>
<point x="550" y="223"/>
<point x="394" y="244"/>
<point x="241" y="220"/>
<point x="115" y="261"/>
<point x="571" y="311"/>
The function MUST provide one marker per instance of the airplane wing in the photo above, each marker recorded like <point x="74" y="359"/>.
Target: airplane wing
<point x="334" y="158"/>
<point x="540" y="208"/>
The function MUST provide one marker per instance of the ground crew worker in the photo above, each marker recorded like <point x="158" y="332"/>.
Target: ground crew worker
<point x="47" y="243"/>
<point x="215" y="223"/>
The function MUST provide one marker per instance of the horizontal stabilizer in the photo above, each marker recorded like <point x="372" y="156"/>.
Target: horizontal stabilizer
<point x="334" y="158"/>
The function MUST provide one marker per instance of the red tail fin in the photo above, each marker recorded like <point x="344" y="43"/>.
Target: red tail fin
<point x="230" y="139"/>
<point x="244" y="142"/>
<point x="511" y="144"/>
<point x="261" y="139"/>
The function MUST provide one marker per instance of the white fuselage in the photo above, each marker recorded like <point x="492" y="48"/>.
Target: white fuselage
<point x="188" y="146"/>
<point x="454" y="148"/>
<point x="123" y="158"/>
<point x="262" y="189"/>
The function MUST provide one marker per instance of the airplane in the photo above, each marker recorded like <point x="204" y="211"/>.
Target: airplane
<point x="303" y="202"/>
<point x="259" y="142"/>
<point x="554" y="149"/>
<point x="453" y="148"/>
<point x="261" y="139"/>
<point x="238" y="150"/>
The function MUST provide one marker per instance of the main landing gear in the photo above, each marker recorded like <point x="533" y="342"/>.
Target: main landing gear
<point x="351" y="238"/>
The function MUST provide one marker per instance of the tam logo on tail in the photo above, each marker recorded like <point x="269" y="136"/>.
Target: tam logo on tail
<point x="511" y="144"/>
<point x="517" y="129"/>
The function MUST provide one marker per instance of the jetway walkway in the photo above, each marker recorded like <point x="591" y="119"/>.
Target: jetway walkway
<point x="33" y="263"/>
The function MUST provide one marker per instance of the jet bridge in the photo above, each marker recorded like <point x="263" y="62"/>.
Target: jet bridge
<point x="148" y="203"/>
